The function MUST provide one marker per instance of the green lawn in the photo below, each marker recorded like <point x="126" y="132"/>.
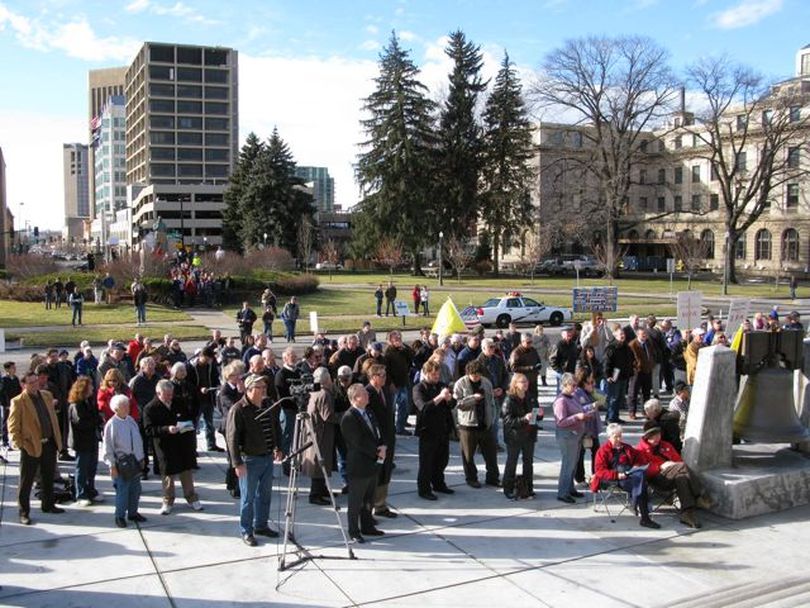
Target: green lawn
<point x="70" y="337"/>
<point x="405" y="283"/>
<point x="33" y="314"/>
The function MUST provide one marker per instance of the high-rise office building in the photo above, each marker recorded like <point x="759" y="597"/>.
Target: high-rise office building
<point x="6" y="236"/>
<point x="109" y="154"/>
<point x="182" y="137"/>
<point x="101" y="85"/>
<point x="77" y="196"/>
<point x="323" y="186"/>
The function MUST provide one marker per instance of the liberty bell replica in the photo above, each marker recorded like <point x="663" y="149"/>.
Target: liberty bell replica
<point x="765" y="411"/>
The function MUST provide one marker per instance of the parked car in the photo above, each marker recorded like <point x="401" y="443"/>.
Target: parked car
<point x="328" y="266"/>
<point x="515" y="308"/>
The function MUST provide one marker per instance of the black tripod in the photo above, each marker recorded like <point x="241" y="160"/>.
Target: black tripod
<point x="303" y="439"/>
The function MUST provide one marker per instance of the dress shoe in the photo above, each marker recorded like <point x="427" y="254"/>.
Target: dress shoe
<point x="428" y="496"/>
<point x="404" y="433"/>
<point x="474" y="484"/>
<point x="385" y="513"/>
<point x="344" y="490"/>
<point x="445" y="490"/>
<point x="53" y="509"/>
<point x="319" y="500"/>
<point x="268" y="532"/>
<point x="66" y="457"/>
<point x="569" y="499"/>
<point x="373" y="532"/>
<point x="358" y="538"/>
<point x="145" y="476"/>
<point x="137" y="517"/>
<point x="25" y="519"/>
<point x="649" y="523"/>
<point x="216" y="448"/>
<point x="577" y="494"/>
<point x="120" y="522"/>
<point x="249" y="540"/>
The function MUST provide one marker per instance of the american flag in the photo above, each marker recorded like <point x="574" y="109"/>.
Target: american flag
<point x="470" y="317"/>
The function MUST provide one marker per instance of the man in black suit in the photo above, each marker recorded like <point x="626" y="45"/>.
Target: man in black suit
<point x="364" y="449"/>
<point x="381" y="406"/>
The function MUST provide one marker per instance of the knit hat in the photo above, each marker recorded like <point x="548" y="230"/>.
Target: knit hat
<point x="252" y="380"/>
<point x="651" y="428"/>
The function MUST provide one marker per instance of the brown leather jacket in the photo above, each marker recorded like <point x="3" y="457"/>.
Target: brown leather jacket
<point x="644" y="360"/>
<point x="23" y="423"/>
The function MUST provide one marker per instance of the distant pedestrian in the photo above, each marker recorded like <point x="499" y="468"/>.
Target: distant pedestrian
<point x="417" y="298"/>
<point x="390" y="298"/>
<point x="98" y="290"/>
<point x="58" y="290"/>
<point x="268" y="316"/>
<point x="794" y="285"/>
<point x="290" y="315"/>
<point x="108" y="283"/>
<point x="424" y="296"/>
<point x="49" y="293"/>
<point x="139" y="297"/>
<point x="245" y="319"/>
<point x="378" y="296"/>
<point x="76" y="300"/>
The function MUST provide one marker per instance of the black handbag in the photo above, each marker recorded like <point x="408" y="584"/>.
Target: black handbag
<point x="128" y="465"/>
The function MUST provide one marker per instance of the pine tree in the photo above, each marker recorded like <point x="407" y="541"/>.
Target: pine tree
<point x="460" y="141"/>
<point x="232" y="214"/>
<point x="507" y="174"/>
<point x="395" y="169"/>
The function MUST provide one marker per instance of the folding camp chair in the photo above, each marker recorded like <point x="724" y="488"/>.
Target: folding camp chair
<point x="610" y="494"/>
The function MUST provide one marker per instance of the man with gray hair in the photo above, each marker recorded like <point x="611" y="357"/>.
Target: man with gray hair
<point x="321" y="409"/>
<point x="143" y="387"/>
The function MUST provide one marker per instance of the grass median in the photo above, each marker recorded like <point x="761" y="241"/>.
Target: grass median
<point x="32" y="314"/>
<point x="70" y="337"/>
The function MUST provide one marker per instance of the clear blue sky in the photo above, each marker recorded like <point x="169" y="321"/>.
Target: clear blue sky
<point x="304" y="66"/>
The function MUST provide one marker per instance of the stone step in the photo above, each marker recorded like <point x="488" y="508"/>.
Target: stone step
<point x="777" y="593"/>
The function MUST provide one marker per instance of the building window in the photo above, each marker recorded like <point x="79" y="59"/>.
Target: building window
<point x="216" y="57"/>
<point x="740" y="161"/>
<point x="695" y="140"/>
<point x="161" y="137"/>
<point x="662" y="203"/>
<point x="767" y="117"/>
<point x="707" y="240"/>
<point x="216" y="124"/>
<point x="221" y="155"/>
<point x="189" y="139"/>
<point x="189" y="154"/>
<point x="162" y="170"/>
<point x="213" y="107"/>
<point x="695" y="174"/>
<point x="793" y="157"/>
<point x="644" y="145"/>
<point x="713" y="172"/>
<point x="642" y="176"/>
<point x="792" y="200"/>
<point x="222" y="93"/>
<point x="216" y="139"/>
<point x="189" y="74"/>
<point x="216" y="76"/>
<point x="189" y="122"/>
<point x="161" y="90"/>
<point x="762" y="245"/>
<point x="642" y="203"/>
<point x="696" y="202"/>
<point x="678" y="203"/>
<point x="189" y="55"/>
<point x="714" y="202"/>
<point x="161" y="122"/>
<point x="678" y="175"/>
<point x="678" y="142"/>
<point x="795" y="113"/>
<point x="742" y="122"/>
<point x="650" y="235"/>
<point x="790" y="245"/>
<point x="159" y="52"/>
<point x="189" y="107"/>
<point x="662" y="176"/>
<point x="161" y="72"/>
<point x="189" y="90"/>
<point x="189" y="170"/>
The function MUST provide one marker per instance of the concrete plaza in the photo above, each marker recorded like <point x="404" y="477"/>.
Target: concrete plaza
<point x="473" y="548"/>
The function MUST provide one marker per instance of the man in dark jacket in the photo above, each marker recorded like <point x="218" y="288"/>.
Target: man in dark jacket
<point x="380" y="405"/>
<point x="285" y="414"/>
<point x="365" y="449"/>
<point x="564" y="355"/>
<point x="253" y="447"/>
<point x="11" y="387"/>
<point x="398" y="359"/>
<point x="203" y="375"/>
<point x="143" y="387"/>
<point x="526" y="360"/>
<point x="390" y="298"/>
<point x="494" y="370"/>
<point x="245" y="319"/>
<point x="644" y="361"/>
<point x="618" y="371"/>
<point x="60" y="377"/>
<point x="434" y="406"/>
<point x="229" y="393"/>
<point x="469" y="353"/>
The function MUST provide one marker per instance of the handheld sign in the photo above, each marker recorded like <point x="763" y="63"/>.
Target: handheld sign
<point x="689" y="303"/>
<point x="596" y="299"/>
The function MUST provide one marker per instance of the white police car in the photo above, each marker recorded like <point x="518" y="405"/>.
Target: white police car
<point x="516" y="308"/>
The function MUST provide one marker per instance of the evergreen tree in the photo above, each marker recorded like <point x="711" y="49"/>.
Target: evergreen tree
<point x="232" y="214"/>
<point x="267" y="197"/>
<point x="395" y="169"/>
<point x="508" y="150"/>
<point x="460" y="141"/>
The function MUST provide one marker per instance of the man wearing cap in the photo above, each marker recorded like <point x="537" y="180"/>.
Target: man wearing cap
<point x="373" y="355"/>
<point x="690" y="353"/>
<point x="366" y="335"/>
<point x="253" y="445"/>
<point x="203" y="375"/>
<point x="564" y="355"/>
<point x="793" y="322"/>
<point x="113" y="358"/>
<point x="667" y="471"/>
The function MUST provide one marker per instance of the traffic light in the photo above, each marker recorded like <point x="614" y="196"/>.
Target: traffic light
<point x="36" y="232"/>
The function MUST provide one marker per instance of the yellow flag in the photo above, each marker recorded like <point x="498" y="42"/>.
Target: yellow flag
<point x="448" y="321"/>
<point x="736" y="343"/>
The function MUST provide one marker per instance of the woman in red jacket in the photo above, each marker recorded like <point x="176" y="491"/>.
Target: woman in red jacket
<point x="113" y="384"/>
<point x="620" y="463"/>
<point x="416" y="294"/>
<point x="667" y="471"/>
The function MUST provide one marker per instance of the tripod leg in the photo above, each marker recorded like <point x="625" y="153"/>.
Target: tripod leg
<point x="315" y="445"/>
<point x="292" y="493"/>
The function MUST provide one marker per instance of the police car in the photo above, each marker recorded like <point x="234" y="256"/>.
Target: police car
<point x="516" y="308"/>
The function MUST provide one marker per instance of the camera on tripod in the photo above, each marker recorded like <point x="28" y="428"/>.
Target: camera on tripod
<point x="301" y="387"/>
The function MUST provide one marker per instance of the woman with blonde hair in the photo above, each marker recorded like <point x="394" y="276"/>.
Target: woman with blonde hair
<point x="113" y="384"/>
<point x="520" y="433"/>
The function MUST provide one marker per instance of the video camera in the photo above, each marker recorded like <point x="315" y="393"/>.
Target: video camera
<point x="301" y="387"/>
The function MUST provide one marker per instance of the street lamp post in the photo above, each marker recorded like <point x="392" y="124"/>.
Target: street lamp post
<point x="441" y="265"/>
<point x="265" y="239"/>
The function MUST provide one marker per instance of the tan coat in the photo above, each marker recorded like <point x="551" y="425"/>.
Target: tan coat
<point x="23" y="424"/>
<point x="690" y="355"/>
<point x="321" y="408"/>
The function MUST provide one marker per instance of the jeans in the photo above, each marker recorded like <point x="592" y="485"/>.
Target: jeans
<point x="379" y="308"/>
<point x="557" y="377"/>
<point x="207" y="413"/>
<point x="268" y="330"/>
<point x="287" y="420"/>
<point x="569" y="443"/>
<point x="86" y="467"/>
<point x="616" y="394"/>
<point x="402" y="407"/>
<point x="140" y="312"/>
<point x="77" y="314"/>
<point x="289" y="326"/>
<point x="256" y="487"/>
<point x="127" y="496"/>
<point x="340" y="448"/>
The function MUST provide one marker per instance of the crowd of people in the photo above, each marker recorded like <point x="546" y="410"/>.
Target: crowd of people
<point x="146" y="399"/>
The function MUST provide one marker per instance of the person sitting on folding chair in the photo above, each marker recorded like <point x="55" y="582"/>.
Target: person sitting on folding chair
<point x="619" y="463"/>
<point x="667" y="471"/>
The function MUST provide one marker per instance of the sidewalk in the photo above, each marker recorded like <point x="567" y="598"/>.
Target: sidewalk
<point x="471" y="549"/>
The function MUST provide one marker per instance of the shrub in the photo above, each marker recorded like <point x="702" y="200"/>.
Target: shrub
<point x="270" y="258"/>
<point x="21" y="292"/>
<point x="295" y="284"/>
<point x="483" y="267"/>
<point x="126" y="267"/>
<point x="30" y="265"/>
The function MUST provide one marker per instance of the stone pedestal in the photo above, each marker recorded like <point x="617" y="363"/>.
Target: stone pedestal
<point x="707" y="443"/>
<point x="762" y="479"/>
